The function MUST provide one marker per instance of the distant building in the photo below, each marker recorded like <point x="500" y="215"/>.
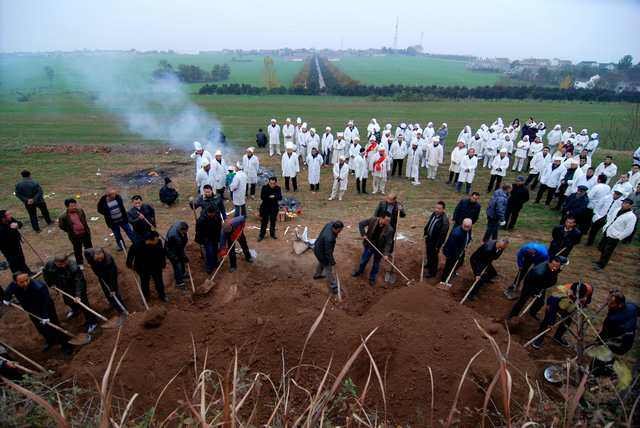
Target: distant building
<point x="592" y="64"/>
<point x="607" y="66"/>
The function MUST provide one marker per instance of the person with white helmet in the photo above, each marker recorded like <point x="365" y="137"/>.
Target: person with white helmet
<point x="273" y="129"/>
<point x="522" y="149"/>
<point x="379" y="169"/>
<point x="350" y="132"/>
<point x="199" y="155"/>
<point x="219" y="171"/>
<point x="326" y="145"/>
<point x="592" y="145"/>
<point x="314" y="140"/>
<point x="290" y="167"/>
<point x="302" y="140"/>
<point x="434" y="157"/>
<point x="314" y="164"/>
<point x="238" y="189"/>
<point x="339" y="148"/>
<point x="499" y="167"/>
<point x="554" y="137"/>
<point x="288" y="131"/>
<point x="340" y="179"/>
<point x="468" y="167"/>
<point x="581" y="140"/>
<point x="251" y="167"/>
<point x="457" y="154"/>
<point x="354" y="151"/>
<point x="414" y="159"/>
<point x="361" y="169"/>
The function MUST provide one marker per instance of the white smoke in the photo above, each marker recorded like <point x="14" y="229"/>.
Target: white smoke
<point x="159" y="110"/>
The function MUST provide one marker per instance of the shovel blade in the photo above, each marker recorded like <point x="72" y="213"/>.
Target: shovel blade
<point x="205" y="288"/>
<point x="444" y="285"/>
<point x="113" y="322"/>
<point x="80" y="339"/>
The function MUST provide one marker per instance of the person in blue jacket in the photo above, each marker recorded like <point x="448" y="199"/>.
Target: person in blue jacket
<point x="454" y="249"/>
<point x="530" y="254"/>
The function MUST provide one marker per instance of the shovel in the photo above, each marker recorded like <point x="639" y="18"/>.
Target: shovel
<point x="208" y="284"/>
<point x="409" y="281"/>
<point x="466" y="296"/>
<point x="32" y="249"/>
<point x="135" y="278"/>
<point x="76" y="340"/>
<point x="115" y="298"/>
<point x="19" y="366"/>
<point x="446" y="284"/>
<point x="390" y="275"/>
<point x="339" y="286"/>
<point x="24" y="357"/>
<point x="113" y="323"/>
<point x="193" y="287"/>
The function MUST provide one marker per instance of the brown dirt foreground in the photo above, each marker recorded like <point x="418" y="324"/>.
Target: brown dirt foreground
<point x="266" y="309"/>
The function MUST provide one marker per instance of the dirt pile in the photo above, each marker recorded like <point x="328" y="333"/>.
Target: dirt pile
<point x="154" y="317"/>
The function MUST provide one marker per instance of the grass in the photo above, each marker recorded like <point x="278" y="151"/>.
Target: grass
<point x="407" y="70"/>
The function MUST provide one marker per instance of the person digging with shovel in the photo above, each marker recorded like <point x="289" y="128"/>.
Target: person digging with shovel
<point x="34" y="297"/>
<point x="378" y="232"/>
<point x="142" y="217"/>
<point x="482" y="264"/>
<point x="232" y="231"/>
<point x="529" y="255"/>
<point x="454" y="249"/>
<point x="176" y="242"/>
<point x="104" y="267"/>
<point x="148" y="259"/>
<point x="323" y="250"/>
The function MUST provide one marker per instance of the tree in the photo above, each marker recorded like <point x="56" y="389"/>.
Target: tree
<point x="567" y="82"/>
<point x="625" y="63"/>
<point x="48" y="71"/>
<point x="269" y="74"/>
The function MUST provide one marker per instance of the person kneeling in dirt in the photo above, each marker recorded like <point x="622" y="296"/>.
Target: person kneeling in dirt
<point x="148" y="259"/>
<point x="168" y="194"/>
<point x="34" y="297"/>
<point x="177" y="239"/>
<point x="564" y="300"/>
<point x="482" y="263"/>
<point x="104" y="267"/>
<point x="378" y="240"/>
<point x="208" y="199"/>
<point x="65" y="274"/>
<point x="232" y="231"/>
<point x="208" y="228"/>
<point x="323" y="250"/>
<point x="541" y="277"/>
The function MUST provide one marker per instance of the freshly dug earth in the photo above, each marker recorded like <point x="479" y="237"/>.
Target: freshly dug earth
<point x="154" y="316"/>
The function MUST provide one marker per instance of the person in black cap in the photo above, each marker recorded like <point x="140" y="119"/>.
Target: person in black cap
<point x="576" y="206"/>
<point x="517" y="198"/>
<point x="168" y="194"/>
<point x="148" y="258"/>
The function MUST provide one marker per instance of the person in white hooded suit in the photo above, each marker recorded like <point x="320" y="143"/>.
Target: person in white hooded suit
<point x="238" y="189"/>
<point x="340" y="179"/>
<point x="414" y="159"/>
<point x="273" y="130"/>
<point x="465" y="135"/>
<point x="326" y="145"/>
<point x="468" y="167"/>
<point x="251" y="167"/>
<point x="339" y="148"/>
<point x="554" y="137"/>
<point x="434" y="157"/>
<point x="314" y="164"/>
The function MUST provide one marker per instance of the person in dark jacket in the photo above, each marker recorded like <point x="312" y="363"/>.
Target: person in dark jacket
<point x="34" y="297"/>
<point x="74" y="222"/>
<point x="454" y="249"/>
<point x="270" y="195"/>
<point x="112" y="208"/>
<point x="30" y="193"/>
<point x="619" y="326"/>
<point x="11" y="243"/>
<point x="141" y="216"/>
<point x="529" y="255"/>
<point x="323" y="250"/>
<point x="148" y="258"/>
<point x="209" y="199"/>
<point x="517" y="198"/>
<point x="105" y="268"/>
<point x="564" y="237"/>
<point x="177" y="238"/>
<point x="435" y="233"/>
<point x="482" y="263"/>
<point x="233" y="231"/>
<point x="261" y="139"/>
<point x="541" y="277"/>
<point x="496" y="211"/>
<point x="168" y="194"/>
<point x="377" y="232"/>
<point x="468" y="207"/>
<point x="395" y="210"/>
<point x="576" y="206"/>
<point x="208" y="235"/>
<point x="65" y="274"/>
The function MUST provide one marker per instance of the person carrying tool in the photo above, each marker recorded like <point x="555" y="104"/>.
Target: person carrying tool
<point x="564" y="238"/>
<point x="208" y="229"/>
<point x="74" y="221"/>
<point x="454" y="248"/>
<point x="11" y="243"/>
<point x="148" y="258"/>
<point x="482" y="263"/>
<point x="232" y="231"/>
<point x="530" y="254"/>
<point x="34" y="297"/>
<point x="377" y="232"/>
<point x="112" y="208"/>
<point x="323" y="250"/>
<point x="435" y="233"/>
<point x="30" y="193"/>
<point x="541" y="277"/>
<point x="176" y="242"/>
<point x="104" y="267"/>
<point x="65" y="274"/>
<point x="208" y="199"/>
<point x="270" y="195"/>
<point x="564" y="300"/>
<point x="142" y="217"/>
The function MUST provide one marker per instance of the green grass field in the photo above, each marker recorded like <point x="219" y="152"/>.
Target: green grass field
<point x="406" y="70"/>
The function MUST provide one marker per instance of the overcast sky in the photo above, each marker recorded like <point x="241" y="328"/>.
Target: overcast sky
<point x="602" y="30"/>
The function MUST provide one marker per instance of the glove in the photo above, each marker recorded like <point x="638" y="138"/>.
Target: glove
<point x="6" y="303"/>
<point x="44" y="321"/>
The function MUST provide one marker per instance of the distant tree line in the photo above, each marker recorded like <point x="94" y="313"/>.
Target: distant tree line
<point x="419" y="93"/>
<point x="334" y="78"/>
<point x="191" y="73"/>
